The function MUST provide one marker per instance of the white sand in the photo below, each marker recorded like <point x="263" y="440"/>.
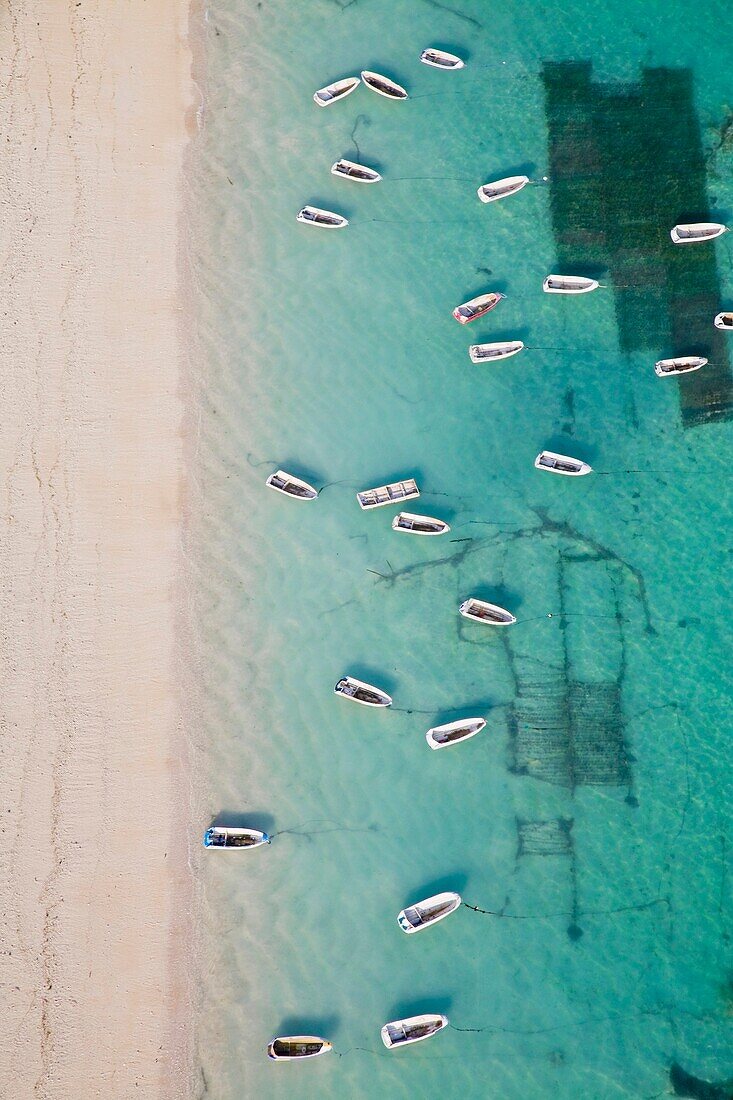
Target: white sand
<point x="96" y="110"/>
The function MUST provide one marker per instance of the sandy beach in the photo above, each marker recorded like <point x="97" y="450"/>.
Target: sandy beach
<point x="98" y="108"/>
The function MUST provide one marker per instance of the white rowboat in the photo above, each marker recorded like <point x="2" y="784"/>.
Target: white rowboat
<point x="482" y="353"/>
<point x="291" y="486"/>
<point x="326" y="219"/>
<point x="366" y="694"/>
<point x="477" y="307"/>
<point x="561" y="464"/>
<point x="440" y="59"/>
<point x="400" y="1033"/>
<point x="419" y="525"/>
<point x="696" y="232"/>
<point x="359" y="173"/>
<point x="234" y="840"/>
<point x="289" y="1047"/>
<point x="395" y="493"/>
<point x="569" y="284"/>
<point x="682" y="365"/>
<point x="324" y="97"/>
<point x="482" y="612"/>
<point x="382" y="85"/>
<point x="724" y="321"/>
<point x="424" y="913"/>
<point x="501" y="189"/>
<point x="441" y="737"/>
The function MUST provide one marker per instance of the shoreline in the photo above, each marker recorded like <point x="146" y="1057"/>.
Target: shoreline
<point x="96" y="895"/>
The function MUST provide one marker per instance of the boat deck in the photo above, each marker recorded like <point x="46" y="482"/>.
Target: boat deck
<point x="389" y="494"/>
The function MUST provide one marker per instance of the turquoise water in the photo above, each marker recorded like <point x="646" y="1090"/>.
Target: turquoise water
<point x="593" y="812"/>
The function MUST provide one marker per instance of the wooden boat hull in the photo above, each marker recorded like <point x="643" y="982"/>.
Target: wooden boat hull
<point x="472" y="608"/>
<point x="395" y="493"/>
<point x="442" y="737"/>
<point x="334" y="93"/>
<point x="569" y="284"/>
<point x="684" y="364"/>
<point x="502" y="189"/>
<point x="417" y="1028"/>
<point x="214" y="835"/>
<point x="443" y="905"/>
<point x="440" y="59"/>
<point x="478" y="307"/>
<point x="412" y="524"/>
<point x="313" y="215"/>
<point x="296" y="1048"/>
<point x="345" y="170"/>
<point x="724" y="321"/>
<point x="697" y="232"/>
<point x="383" y="86"/>
<point x="491" y="353"/>
<point x="290" y="486"/>
<point x="568" y="467"/>
<point x="357" y="691"/>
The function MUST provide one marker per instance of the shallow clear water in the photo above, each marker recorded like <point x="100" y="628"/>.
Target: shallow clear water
<point x="593" y="812"/>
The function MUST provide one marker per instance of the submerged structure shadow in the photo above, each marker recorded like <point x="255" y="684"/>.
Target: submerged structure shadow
<point x="565" y="729"/>
<point x="626" y="163"/>
<point x="545" y="838"/>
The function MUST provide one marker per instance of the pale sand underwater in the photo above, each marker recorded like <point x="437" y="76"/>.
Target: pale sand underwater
<point x="98" y="107"/>
<point x="591" y="815"/>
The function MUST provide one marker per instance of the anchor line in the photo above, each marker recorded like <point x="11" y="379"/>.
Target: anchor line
<point x="581" y="913"/>
<point x="396" y="179"/>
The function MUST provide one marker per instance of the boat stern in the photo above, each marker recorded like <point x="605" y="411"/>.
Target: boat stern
<point x="404" y="923"/>
<point x="387" y="1036"/>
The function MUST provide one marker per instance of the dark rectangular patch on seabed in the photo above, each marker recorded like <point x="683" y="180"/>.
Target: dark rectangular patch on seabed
<point x="539" y="734"/>
<point x="545" y="838"/>
<point x="626" y="163"/>
<point x="570" y="734"/>
<point x="599" y="751"/>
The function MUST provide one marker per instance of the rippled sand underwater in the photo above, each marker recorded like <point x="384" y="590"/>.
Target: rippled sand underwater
<point x="591" y="817"/>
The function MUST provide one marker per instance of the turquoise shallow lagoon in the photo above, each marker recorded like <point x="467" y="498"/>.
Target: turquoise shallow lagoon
<point x="592" y="816"/>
